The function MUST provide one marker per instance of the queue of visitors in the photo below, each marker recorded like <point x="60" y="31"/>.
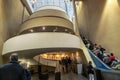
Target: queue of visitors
<point x="100" y="52"/>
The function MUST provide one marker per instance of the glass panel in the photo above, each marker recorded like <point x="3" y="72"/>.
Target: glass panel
<point x="64" y="4"/>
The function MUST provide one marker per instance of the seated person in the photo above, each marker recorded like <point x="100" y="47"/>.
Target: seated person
<point x="117" y="67"/>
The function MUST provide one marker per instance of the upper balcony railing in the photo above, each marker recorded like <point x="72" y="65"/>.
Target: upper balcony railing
<point x="66" y="5"/>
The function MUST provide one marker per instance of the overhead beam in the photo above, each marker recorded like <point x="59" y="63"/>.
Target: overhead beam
<point x="25" y="3"/>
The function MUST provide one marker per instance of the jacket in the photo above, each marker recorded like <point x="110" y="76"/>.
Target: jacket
<point x="12" y="71"/>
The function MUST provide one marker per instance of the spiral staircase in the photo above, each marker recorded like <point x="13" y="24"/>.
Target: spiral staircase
<point x="48" y="30"/>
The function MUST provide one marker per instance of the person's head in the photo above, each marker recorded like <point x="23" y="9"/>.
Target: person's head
<point x="95" y="44"/>
<point x="90" y="62"/>
<point x="14" y="57"/>
<point x="111" y="54"/>
<point x="24" y="65"/>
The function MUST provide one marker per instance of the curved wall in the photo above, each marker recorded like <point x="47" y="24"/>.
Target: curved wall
<point x="46" y="21"/>
<point x="40" y="41"/>
<point x="50" y="12"/>
<point x="51" y="7"/>
<point x="45" y="61"/>
<point x="47" y="16"/>
<point x="32" y="44"/>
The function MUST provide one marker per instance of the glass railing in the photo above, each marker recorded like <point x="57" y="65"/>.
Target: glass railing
<point x="66" y="5"/>
<point x="99" y="64"/>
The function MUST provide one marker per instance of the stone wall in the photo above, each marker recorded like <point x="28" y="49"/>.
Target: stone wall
<point x="11" y="16"/>
<point x="99" y="20"/>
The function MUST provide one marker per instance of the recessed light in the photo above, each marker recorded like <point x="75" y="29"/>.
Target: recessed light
<point x="31" y="30"/>
<point x="43" y="28"/>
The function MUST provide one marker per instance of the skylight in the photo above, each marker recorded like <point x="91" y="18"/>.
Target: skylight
<point x="66" y="5"/>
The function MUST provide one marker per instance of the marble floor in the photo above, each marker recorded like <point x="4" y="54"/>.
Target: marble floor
<point x="64" y="76"/>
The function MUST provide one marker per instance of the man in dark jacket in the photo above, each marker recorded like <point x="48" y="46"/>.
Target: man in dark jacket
<point x="12" y="70"/>
<point x="90" y="71"/>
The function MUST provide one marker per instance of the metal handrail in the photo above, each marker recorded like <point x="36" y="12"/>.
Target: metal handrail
<point x="101" y="64"/>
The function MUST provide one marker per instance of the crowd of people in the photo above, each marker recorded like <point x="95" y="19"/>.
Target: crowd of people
<point x="15" y="71"/>
<point x="67" y="64"/>
<point x="108" y="58"/>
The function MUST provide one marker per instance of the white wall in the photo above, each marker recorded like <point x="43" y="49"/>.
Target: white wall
<point x="46" y="21"/>
<point x="40" y="41"/>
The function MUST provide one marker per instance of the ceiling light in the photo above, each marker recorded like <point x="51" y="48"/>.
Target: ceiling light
<point x="33" y="1"/>
<point x="31" y="30"/>
<point x="43" y="28"/>
<point x="66" y="30"/>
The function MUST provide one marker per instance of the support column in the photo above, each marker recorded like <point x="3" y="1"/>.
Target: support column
<point x="1" y="61"/>
<point x="76" y="27"/>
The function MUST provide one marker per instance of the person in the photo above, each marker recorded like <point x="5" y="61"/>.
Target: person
<point x="12" y="70"/>
<point x="31" y="70"/>
<point x="114" y="63"/>
<point x="66" y="64"/>
<point x="106" y="59"/>
<point x="112" y="57"/>
<point x="27" y="73"/>
<point x="117" y="67"/>
<point x="100" y="55"/>
<point x="69" y="63"/>
<point x="90" y="71"/>
<point x="63" y="64"/>
<point x="101" y="49"/>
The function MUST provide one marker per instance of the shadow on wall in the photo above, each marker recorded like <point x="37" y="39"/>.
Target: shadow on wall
<point x="119" y="3"/>
<point x="90" y="13"/>
<point x="96" y="10"/>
